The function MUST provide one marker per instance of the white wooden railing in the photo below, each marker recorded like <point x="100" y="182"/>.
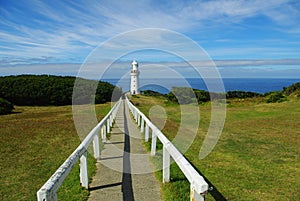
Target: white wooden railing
<point x="198" y="185"/>
<point x="49" y="189"/>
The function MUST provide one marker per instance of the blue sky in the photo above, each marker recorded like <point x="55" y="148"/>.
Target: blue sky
<point x="244" y="38"/>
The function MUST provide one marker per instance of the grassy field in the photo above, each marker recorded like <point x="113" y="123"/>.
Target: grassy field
<point x="257" y="155"/>
<point x="34" y="142"/>
<point x="256" y="158"/>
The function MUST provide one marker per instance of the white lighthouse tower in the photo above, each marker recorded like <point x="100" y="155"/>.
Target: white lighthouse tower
<point x="134" y="83"/>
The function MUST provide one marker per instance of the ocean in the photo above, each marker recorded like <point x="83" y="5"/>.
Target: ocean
<point x="259" y="85"/>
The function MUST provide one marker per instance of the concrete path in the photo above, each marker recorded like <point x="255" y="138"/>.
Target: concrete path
<point x="124" y="171"/>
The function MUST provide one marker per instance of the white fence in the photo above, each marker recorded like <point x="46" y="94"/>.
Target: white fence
<point x="198" y="185"/>
<point x="49" y="189"/>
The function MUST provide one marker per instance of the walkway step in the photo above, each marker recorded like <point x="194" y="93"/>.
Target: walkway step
<point x="124" y="171"/>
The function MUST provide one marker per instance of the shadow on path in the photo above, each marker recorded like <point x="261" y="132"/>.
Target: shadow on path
<point x="104" y="186"/>
<point x="126" y="179"/>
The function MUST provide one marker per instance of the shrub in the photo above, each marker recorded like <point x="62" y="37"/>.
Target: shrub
<point x="6" y="107"/>
<point x="242" y="94"/>
<point x="293" y="88"/>
<point x="276" y="97"/>
<point x="202" y="96"/>
<point x="182" y="95"/>
<point x="185" y="95"/>
<point x="151" y="93"/>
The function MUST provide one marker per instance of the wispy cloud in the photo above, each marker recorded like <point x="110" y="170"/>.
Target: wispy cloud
<point x="239" y="63"/>
<point x="269" y="62"/>
<point x="67" y="31"/>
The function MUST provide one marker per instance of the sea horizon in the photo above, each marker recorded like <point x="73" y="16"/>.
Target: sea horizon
<point x="164" y="85"/>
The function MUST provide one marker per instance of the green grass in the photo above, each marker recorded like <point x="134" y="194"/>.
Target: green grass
<point x="257" y="155"/>
<point x="34" y="142"/>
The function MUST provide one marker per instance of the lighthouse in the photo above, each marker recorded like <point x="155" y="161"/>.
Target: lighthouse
<point x="134" y="83"/>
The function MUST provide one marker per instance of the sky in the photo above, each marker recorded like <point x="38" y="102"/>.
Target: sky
<point x="256" y="38"/>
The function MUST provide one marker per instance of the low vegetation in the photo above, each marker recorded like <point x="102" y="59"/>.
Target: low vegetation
<point x="242" y="94"/>
<point x="276" y="97"/>
<point x="294" y="88"/>
<point x="34" y="142"/>
<point x="185" y="95"/>
<point x="257" y="155"/>
<point x="6" y="107"/>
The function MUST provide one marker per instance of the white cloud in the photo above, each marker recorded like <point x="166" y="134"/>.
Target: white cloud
<point x="75" y="28"/>
<point x="50" y="69"/>
<point x="106" y="70"/>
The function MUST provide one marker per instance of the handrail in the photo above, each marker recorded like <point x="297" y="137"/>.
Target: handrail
<point x="198" y="185"/>
<point x="48" y="191"/>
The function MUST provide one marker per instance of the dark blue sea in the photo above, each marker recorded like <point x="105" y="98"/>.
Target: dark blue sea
<point x="259" y="85"/>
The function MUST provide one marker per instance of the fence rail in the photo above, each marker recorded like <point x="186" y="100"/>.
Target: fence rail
<point x="198" y="185"/>
<point x="49" y="190"/>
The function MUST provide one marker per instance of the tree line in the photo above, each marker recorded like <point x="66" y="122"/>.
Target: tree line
<point x="42" y="90"/>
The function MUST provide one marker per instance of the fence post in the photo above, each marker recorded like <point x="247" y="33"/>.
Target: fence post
<point x="147" y="133"/>
<point x="142" y="124"/>
<point x="153" y="144"/>
<point x="194" y="196"/>
<point x="104" y="133"/>
<point x="96" y="145"/>
<point x="108" y="126"/>
<point x="111" y="120"/>
<point x="139" y="119"/>
<point x="84" y="180"/>
<point x="166" y="165"/>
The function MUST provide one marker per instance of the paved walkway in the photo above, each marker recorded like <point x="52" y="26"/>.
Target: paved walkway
<point x="124" y="171"/>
